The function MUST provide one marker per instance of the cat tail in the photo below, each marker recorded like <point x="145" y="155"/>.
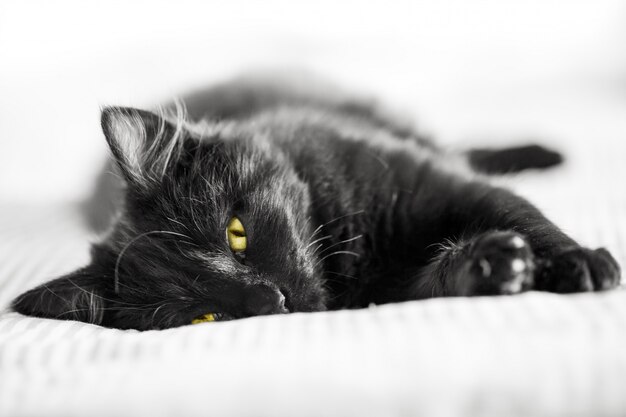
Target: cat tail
<point x="514" y="159"/>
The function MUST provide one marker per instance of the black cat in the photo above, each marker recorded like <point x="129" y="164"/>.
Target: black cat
<point x="275" y="201"/>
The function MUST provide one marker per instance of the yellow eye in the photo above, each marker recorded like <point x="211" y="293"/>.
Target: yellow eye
<point x="236" y="235"/>
<point x="203" y="319"/>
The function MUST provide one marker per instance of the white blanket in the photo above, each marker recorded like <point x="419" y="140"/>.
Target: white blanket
<point x="534" y="354"/>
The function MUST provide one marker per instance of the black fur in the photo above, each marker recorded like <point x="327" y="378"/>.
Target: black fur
<point x="503" y="161"/>
<point x="343" y="207"/>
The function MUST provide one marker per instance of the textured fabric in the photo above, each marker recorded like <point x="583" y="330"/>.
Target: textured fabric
<point x="534" y="354"/>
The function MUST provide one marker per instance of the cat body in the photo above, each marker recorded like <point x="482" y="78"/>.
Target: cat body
<point x="340" y="206"/>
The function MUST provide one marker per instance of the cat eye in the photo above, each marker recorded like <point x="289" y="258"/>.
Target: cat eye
<point x="236" y="235"/>
<point x="209" y="317"/>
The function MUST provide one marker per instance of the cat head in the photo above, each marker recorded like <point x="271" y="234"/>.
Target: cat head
<point x="214" y="221"/>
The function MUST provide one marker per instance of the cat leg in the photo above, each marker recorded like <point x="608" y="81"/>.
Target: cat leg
<point x="508" y="246"/>
<point x="578" y="269"/>
<point x="490" y="263"/>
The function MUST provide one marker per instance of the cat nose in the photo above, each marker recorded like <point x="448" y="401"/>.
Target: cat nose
<point x="262" y="299"/>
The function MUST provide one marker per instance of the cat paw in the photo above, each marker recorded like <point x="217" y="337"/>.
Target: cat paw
<point x="579" y="270"/>
<point x="500" y="263"/>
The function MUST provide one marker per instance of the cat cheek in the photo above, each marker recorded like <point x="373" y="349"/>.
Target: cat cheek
<point x="82" y="295"/>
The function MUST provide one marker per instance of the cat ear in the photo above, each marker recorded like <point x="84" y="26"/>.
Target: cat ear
<point x="81" y="295"/>
<point x="142" y="142"/>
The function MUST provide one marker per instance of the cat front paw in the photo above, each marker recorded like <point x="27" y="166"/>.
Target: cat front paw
<point x="578" y="269"/>
<point x="500" y="263"/>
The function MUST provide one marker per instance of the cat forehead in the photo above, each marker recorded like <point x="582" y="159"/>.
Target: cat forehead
<point x="238" y="147"/>
<point x="231" y="132"/>
<point x="241" y="162"/>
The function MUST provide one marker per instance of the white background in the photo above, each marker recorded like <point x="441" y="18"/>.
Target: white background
<point x="465" y="70"/>
<point x="468" y="71"/>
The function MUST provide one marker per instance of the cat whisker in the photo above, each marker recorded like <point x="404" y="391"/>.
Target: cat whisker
<point x="339" y="252"/>
<point x="178" y="222"/>
<point x="339" y="243"/>
<point x="92" y="294"/>
<point x="318" y="240"/>
<point x="101" y="309"/>
<point x="340" y="274"/>
<point x="317" y="248"/>
<point x="334" y="220"/>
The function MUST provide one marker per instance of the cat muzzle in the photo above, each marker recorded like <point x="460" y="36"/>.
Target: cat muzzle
<point x="262" y="300"/>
